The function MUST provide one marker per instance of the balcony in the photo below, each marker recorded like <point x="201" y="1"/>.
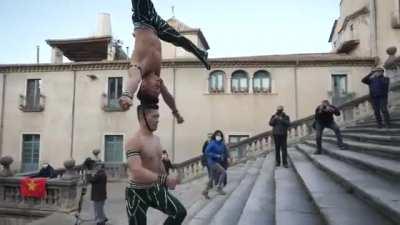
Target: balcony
<point x="110" y="104"/>
<point x="32" y="105"/>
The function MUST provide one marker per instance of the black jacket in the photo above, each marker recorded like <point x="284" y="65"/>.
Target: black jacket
<point x="378" y="86"/>
<point x="280" y="124"/>
<point x="203" y="156"/>
<point x="324" y="116"/>
<point x="48" y="172"/>
<point x="99" y="185"/>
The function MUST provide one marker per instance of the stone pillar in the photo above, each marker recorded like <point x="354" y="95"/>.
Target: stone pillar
<point x="70" y="172"/>
<point x="392" y="70"/>
<point x="6" y="161"/>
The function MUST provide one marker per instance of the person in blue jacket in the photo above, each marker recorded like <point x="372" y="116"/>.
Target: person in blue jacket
<point x="215" y="153"/>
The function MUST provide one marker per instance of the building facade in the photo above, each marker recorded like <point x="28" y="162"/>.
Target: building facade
<point x="56" y="111"/>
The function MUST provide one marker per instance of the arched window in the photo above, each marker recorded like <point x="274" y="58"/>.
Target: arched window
<point x="216" y="81"/>
<point x="240" y="82"/>
<point x="262" y="82"/>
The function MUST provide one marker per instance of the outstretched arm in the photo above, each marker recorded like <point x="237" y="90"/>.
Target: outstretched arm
<point x="134" y="78"/>
<point x="366" y="79"/>
<point x="170" y="101"/>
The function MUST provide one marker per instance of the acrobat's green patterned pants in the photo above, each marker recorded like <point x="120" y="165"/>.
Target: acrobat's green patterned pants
<point x="138" y="200"/>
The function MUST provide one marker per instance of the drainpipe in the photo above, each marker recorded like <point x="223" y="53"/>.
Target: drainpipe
<point x="374" y="28"/>
<point x="73" y="118"/>
<point x="3" y="94"/>
<point x="296" y="96"/>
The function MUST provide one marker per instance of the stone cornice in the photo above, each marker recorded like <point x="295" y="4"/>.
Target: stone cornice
<point x="190" y="63"/>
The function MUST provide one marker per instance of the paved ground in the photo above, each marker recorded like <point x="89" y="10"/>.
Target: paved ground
<point x="188" y="194"/>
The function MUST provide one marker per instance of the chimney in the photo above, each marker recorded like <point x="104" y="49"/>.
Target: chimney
<point x="103" y="25"/>
<point x="56" y="56"/>
<point x="37" y="54"/>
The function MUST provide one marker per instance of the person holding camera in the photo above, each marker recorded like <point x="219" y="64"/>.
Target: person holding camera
<point x="324" y="119"/>
<point x="97" y="177"/>
<point x="280" y="123"/>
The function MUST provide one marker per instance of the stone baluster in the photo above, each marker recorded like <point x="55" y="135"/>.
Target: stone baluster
<point x="355" y="112"/>
<point x="269" y="141"/>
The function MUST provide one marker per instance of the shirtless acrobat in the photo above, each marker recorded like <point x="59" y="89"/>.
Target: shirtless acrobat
<point x="146" y="58"/>
<point x="148" y="181"/>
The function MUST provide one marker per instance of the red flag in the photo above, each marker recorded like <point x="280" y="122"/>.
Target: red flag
<point x="33" y="187"/>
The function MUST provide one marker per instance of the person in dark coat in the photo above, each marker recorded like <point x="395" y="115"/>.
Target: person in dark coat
<point x="99" y="193"/>
<point x="166" y="161"/>
<point x="47" y="171"/>
<point x="378" y="91"/>
<point x="280" y="123"/>
<point x="324" y="119"/>
<point x="204" y="159"/>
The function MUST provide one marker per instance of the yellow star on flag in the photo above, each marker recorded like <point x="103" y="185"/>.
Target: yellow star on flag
<point x="32" y="185"/>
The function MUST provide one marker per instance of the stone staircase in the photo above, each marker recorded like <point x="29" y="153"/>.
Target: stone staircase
<point x="359" y="185"/>
<point x="356" y="186"/>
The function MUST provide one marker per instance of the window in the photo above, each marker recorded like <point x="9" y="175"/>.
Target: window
<point x="339" y="84"/>
<point x="33" y="93"/>
<point x="262" y="82"/>
<point x="114" y="91"/>
<point x="237" y="138"/>
<point x="240" y="82"/>
<point x="30" y="152"/>
<point x="113" y="148"/>
<point x="216" y="82"/>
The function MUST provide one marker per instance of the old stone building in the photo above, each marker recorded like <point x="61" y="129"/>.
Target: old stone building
<point x="60" y="110"/>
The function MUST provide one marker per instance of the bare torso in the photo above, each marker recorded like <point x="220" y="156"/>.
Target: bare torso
<point x="147" y="52"/>
<point x="151" y="152"/>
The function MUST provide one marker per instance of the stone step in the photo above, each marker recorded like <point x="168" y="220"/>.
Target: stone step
<point x="394" y="118"/>
<point x="205" y="215"/>
<point x="378" y="192"/>
<point x="335" y="204"/>
<point x="392" y="152"/>
<point x="259" y="208"/>
<point x="230" y="212"/>
<point x="372" y="130"/>
<point x="382" y="166"/>
<point x="293" y="206"/>
<point x="370" y="138"/>
<point x="374" y="124"/>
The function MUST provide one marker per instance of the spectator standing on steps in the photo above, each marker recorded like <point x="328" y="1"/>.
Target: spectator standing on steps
<point x="379" y="90"/>
<point x="280" y="123"/>
<point x="324" y="119"/>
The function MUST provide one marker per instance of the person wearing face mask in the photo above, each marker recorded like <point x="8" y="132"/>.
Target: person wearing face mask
<point x="215" y="153"/>
<point x="378" y="91"/>
<point x="280" y="123"/>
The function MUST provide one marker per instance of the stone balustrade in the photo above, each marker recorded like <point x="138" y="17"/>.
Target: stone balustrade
<point x="352" y="111"/>
<point x="63" y="194"/>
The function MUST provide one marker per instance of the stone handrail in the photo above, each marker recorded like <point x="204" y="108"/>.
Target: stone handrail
<point x="351" y="111"/>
